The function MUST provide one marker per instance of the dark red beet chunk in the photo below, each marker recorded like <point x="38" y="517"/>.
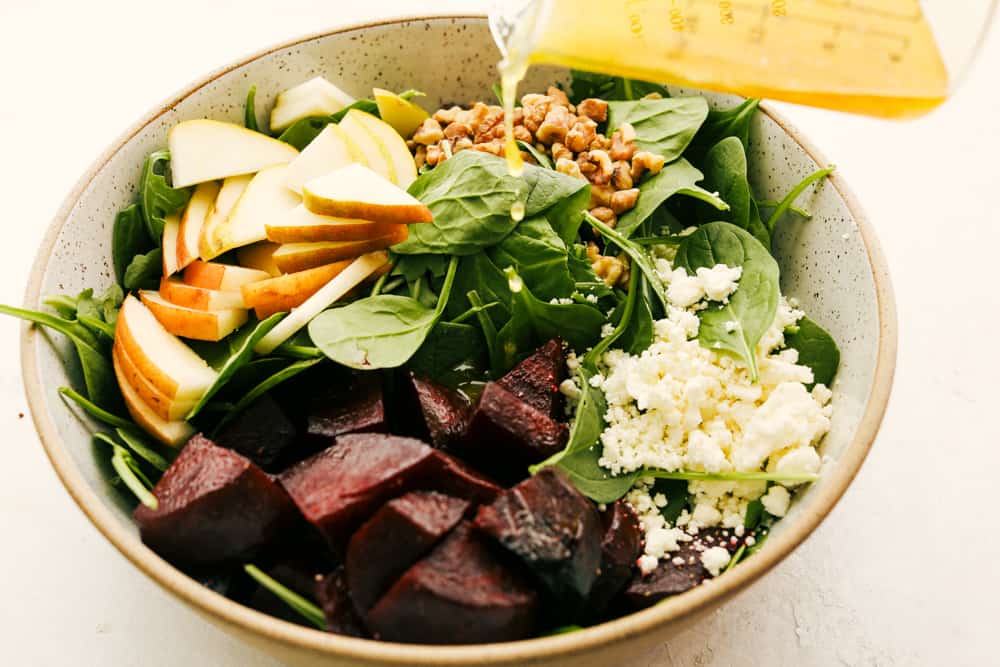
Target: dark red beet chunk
<point x="337" y="489"/>
<point x="552" y="528"/>
<point x="669" y="579"/>
<point x="536" y="380"/>
<point x="445" y="412"/>
<point x="332" y="594"/>
<point x="355" y="407"/>
<point x="459" y="594"/>
<point x="262" y="433"/>
<point x="620" y="547"/>
<point x="214" y="505"/>
<point x="394" y="538"/>
<point x="506" y="435"/>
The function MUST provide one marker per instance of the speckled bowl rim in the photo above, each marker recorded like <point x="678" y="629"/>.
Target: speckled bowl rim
<point x="563" y="646"/>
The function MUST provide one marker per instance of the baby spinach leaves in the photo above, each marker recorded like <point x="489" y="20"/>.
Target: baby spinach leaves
<point x="144" y="271"/>
<point x="128" y="239"/>
<point x="725" y="168"/>
<point x="733" y="122"/>
<point x="250" y="110"/>
<point x="541" y="158"/>
<point x="737" y="326"/>
<point x="662" y="126"/>
<point x="539" y="256"/>
<point x="301" y="133"/>
<point x="637" y="253"/>
<point x="786" y="203"/>
<point x="157" y="197"/>
<point x="605" y="87"/>
<point x="452" y="354"/>
<point x="677" y="178"/>
<point x="817" y="350"/>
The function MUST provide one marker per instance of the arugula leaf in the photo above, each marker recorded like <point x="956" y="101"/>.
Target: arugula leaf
<point x="381" y="331"/>
<point x="451" y="354"/>
<point x="605" y="87"/>
<point x="471" y="196"/>
<point x="144" y="271"/>
<point x="725" y="168"/>
<point x="817" y="350"/>
<point x="128" y="239"/>
<point x="250" y="110"/>
<point x="677" y="178"/>
<point x="733" y="122"/>
<point x="734" y="327"/>
<point x="539" y="256"/>
<point x="301" y="133"/>
<point x="664" y="126"/>
<point x="157" y="197"/>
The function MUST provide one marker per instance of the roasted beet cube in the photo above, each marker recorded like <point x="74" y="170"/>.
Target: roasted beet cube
<point x="536" y="380"/>
<point x="459" y="594"/>
<point x="679" y="570"/>
<point x="333" y="597"/>
<point x="394" y="539"/>
<point x="339" y="488"/>
<point x="552" y="528"/>
<point x="506" y="435"/>
<point x="620" y="547"/>
<point x="444" y="413"/>
<point x="214" y="506"/>
<point x="355" y="407"/>
<point x="262" y="433"/>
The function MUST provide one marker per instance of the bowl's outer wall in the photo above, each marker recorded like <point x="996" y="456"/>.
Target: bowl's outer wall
<point x="824" y="261"/>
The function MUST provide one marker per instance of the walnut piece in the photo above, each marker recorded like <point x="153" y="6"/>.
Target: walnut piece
<point x="428" y="133"/>
<point x="594" y="109"/>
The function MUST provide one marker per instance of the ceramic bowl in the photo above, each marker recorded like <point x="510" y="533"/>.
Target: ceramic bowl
<point x="831" y="264"/>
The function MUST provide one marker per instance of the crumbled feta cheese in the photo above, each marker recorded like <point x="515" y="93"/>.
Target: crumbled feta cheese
<point x="607" y="329"/>
<point x="591" y="298"/>
<point x="561" y="301"/>
<point x="684" y="290"/>
<point x="647" y="564"/>
<point x="795" y="461"/>
<point x="660" y="537"/>
<point x="569" y="389"/>
<point x="776" y="500"/>
<point x="790" y="416"/>
<point x="715" y="559"/>
<point x="720" y="281"/>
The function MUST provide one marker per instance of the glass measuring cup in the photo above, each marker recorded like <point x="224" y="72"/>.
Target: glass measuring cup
<point x="889" y="58"/>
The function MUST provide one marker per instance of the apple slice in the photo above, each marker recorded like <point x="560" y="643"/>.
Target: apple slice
<point x="265" y="198"/>
<point x="303" y="226"/>
<point x="403" y="115"/>
<point x="211" y="325"/>
<point x="224" y="277"/>
<point x="229" y="195"/>
<point x="341" y="284"/>
<point x="330" y="150"/>
<point x="375" y="155"/>
<point x="404" y="169"/>
<point x="163" y="406"/>
<point x="207" y="150"/>
<point x="259" y="256"/>
<point x="172" y="433"/>
<point x="178" y="293"/>
<point x="169" y="365"/>
<point x="292" y="257"/>
<point x="316" y="97"/>
<point x="355" y="191"/>
<point x="198" y="209"/>
<point x="283" y="293"/>
<point x="171" y="230"/>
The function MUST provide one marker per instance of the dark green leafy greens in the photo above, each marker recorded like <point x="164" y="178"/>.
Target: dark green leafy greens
<point x="725" y="168"/>
<point x="664" y="126"/>
<point x="785" y="204"/>
<point x="250" y="110"/>
<point x="816" y="349"/>
<point x="605" y="87"/>
<point x="539" y="256"/>
<point x="301" y="133"/>
<point x="158" y="199"/>
<point x="129" y="238"/>
<point x="144" y="271"/>
<point x="677" y="178"/>
<point x="732" y="122"/>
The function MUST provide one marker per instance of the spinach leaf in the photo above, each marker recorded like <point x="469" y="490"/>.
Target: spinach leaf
<point x="128" y="239"/>
<point x="638" y="332"/>
<point x="157" y="197"/>
<point x="489" y="330"/>
<point x="637" y="253"/>
<point x="677" y="178"/>
<point x="451" y="354"/>
<point x="734" y="327"/>
<point x="250" y="110"/>
<point x="786" y="203"/>
<point x="129" y="471"/>
<point x="94" y="410"/>
<point x="142" y="448"/>
<point x="541" y="158"/>
<point x="605" y="87"/>
<point x="411" y="267"/>
<point x="381" y="331"/>
<point x="733" y="122"/>
<point x="586" y="281"/>
<point x="144" y="271"/>
<point x="241" y="352"/>
<point x="664" y="126"/>
<point x="264" y="386"/>
<point x="678" y="497"/>
<point x="301" y="133"/>
<point x="817" y="350"/>
<point x="725" y="168"/>
<point x="539" y="256"/>
<point x="471" y="196"/>
<point x="478" y="273"/>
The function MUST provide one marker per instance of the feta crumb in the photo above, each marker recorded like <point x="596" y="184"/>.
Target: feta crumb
<point x="607" y="329"/>
<point x="660" y="500"/>
<point x="569" y="389"/>
<point x="591" y="298"/>
<point x="647" y="564"/>
<point x="715" y="559"/>
<point x="776" y="500"/>
<point x="561" y="301"/>
<point x="720" y="281"/>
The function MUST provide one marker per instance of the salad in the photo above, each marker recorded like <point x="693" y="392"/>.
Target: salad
<point x="358" y="375"/>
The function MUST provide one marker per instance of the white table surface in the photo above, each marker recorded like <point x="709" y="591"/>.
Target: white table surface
<point x="904" y="571"/>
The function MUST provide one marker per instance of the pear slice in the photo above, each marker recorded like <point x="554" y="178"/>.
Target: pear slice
<point x="208" y="150"/>
<point x="165" y="407"/>
<point x="292" y="257"/>
<point x="374" y="153"/>
<point x="303" y="226"/>
<point x="229" y="194"/>
<point x="225" y="277"/>
<point x="259" y="256"/>
<point x="330" y="150"/>
<point x="356" y="191"/>
<point x="404" y="169"/>
<point x="210" y="325"/>
<point x="172" y="433"/>
<point x="198" y="209"/>
<point x="180" y="293"/>
<point x="281" y="294"/>
<point x="316" y="97"/>
<point x="403" y="115"/>
<point x="171" y="232"/>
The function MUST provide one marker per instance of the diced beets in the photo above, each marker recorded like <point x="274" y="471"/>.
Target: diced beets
<point x="214" y="506"/>
<point x="394" y="539"/>
<point x="459" y="594"/>
<point x="552" y="528"/>
<point x="357" y="407"/>
<point x="669" y="579"/>
<point x="620" y="547"/>
<point x="506" y="435"/>
<point x="332" y="594"/>
<point x="337" y="489"/>
<point x="445" y="412"/>
<point x="536" y="380"/>
<point x="262" y="433"/>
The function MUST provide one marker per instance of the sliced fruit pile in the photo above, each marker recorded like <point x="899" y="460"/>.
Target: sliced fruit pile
<point x="266" y="228"/>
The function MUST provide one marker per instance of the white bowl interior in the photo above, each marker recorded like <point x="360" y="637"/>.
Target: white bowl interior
<point x="824" y="263"/>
